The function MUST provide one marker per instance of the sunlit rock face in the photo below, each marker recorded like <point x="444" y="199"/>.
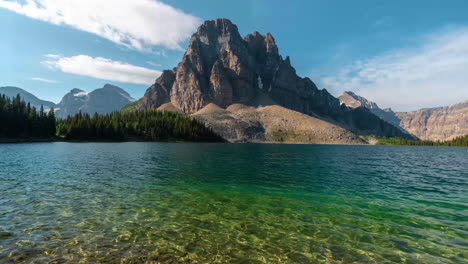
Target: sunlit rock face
<point x="439" y="123"/>
<point x="221" y="67"/>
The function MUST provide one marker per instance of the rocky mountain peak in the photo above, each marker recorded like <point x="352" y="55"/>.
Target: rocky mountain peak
<point x="217" y="27"/>
<point x="223" y="68"/>
<point x="110" y="87"/>
<point x="215" y="36"/>
<point x="76" y="90"/>
<point x="258" y="42"/>
<point x="353" y="100"/>
<point x="271" y="46"/>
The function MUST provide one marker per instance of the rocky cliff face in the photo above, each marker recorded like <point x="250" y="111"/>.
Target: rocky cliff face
<point x="223" y="68"/>
<point x="102" y="101"/>
<point x="440" y="123"/>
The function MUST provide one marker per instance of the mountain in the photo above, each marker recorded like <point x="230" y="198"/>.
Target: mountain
<point x="11" y="92"/>
<point x="222" y="68"/>
<point x="439" y="123"/>
<point x="353" y="100"/>
<point x="102" y="101"/>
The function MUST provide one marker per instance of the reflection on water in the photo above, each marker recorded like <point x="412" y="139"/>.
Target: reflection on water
<point x="227" y="203"/>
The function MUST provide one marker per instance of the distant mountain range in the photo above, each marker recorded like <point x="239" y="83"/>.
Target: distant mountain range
<point x="439" y="123"/>
<point x="220" y="67"/>
<point x="11" y="92"/>
<point x="103" y="100"/>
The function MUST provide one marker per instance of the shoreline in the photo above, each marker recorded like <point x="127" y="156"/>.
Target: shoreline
<point x="26" y="140"/>
<point x="49" y="140"/>
<point x="53" y="140"/>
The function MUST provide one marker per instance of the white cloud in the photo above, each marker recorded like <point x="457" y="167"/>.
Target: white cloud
<point x="154" y="64"/>
<point x="43" y="80"/>
<point x="52" y="56"/>
<point x="138" y="24"/>
<point x="103" y="68"/>
<point x="434" y="74"/>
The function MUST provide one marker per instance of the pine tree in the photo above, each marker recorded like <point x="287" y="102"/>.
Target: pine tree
<point x="143" y="125"/>
<point x="19" y="120"/>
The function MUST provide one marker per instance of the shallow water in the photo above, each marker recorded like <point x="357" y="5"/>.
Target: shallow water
<point x="232" y="203"/>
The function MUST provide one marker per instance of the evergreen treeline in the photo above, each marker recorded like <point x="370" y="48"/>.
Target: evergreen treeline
<point x="461" y="141"/>
<point x="19" y="120"/>
<point x="139" y="125"/>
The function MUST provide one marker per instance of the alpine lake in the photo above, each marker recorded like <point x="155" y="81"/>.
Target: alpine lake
<point x="232" y="203"/>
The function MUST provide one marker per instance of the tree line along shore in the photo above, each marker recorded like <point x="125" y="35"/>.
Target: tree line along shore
<point x="21" y="122"/>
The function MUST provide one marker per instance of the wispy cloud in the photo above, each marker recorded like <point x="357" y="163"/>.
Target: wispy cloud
<point x="432" y="74"/>
<point x="154" y="64"/>
<point x="43" y="80"/>
<point x="138" y="24"/>
<point x="52" y="56"/>
<point x="102" y="68"/>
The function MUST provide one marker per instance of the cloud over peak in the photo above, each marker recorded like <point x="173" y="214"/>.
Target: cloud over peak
<point x="433" y="74"/>
<point x="102" y="68"/>
<point x="137" y="24"/>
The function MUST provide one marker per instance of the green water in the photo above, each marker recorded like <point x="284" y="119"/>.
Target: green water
<point x="229" y="203"/>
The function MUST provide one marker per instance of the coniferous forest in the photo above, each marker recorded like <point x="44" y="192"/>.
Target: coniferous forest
<point x="461" y="141"/>
<point x="149" y="125"/>
<point x="19" y="120"/>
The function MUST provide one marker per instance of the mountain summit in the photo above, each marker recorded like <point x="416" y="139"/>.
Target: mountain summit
<point x="11" y="92"/>
<point x="353" y="100"/>
<point x="104" y="100"/>
<point x="221" y="67"/>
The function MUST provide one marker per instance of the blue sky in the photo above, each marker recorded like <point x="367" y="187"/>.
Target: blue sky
<point x="401" y="54"/>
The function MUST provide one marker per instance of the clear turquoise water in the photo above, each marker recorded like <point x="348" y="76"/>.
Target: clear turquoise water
<point x="222" y="203"/>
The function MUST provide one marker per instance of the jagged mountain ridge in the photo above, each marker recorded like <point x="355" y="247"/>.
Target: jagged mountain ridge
<point x="353" y="100"/>
<point x="223" y="68"/>
<point x="439" y="123"/>
<point x="11" y="92"/>
<point x="104" y="100"/>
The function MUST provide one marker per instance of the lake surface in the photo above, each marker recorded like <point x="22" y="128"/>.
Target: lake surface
<point x="232" y="203"/>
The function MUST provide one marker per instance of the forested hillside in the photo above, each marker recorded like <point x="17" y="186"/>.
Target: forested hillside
<point x="19" y="120"/>
<point x="140" y="125"/>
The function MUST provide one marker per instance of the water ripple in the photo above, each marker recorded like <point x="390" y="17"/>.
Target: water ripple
<point x="228" y="203"/>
